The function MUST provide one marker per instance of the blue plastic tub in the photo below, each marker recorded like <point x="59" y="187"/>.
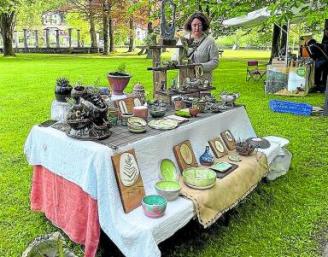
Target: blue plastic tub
<point x="291" y="107"/>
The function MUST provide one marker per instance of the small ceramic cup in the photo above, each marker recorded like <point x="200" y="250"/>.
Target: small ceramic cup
<point x="125" y="117"/>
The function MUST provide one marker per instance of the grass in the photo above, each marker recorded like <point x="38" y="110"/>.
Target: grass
<point x="287" y="217"/>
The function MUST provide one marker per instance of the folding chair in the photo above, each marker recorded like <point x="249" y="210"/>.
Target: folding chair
<point x="254" y="72"/>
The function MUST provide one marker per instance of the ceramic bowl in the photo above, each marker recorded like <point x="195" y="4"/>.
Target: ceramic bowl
<point x="157" y="113"/>
<point x="136" y="125"/>
<point x="154" y="205"/>
<point x="168" y="189"/>
<point x="199" y="177"/>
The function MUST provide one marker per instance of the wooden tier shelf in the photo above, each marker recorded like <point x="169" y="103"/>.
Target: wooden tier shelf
<point x="165" y="46"/>
<point x="178" y="92"/>
<point x="175" y="67"/>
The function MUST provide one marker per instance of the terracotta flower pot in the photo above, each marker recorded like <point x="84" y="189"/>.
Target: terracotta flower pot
<point x="118" y="82"/>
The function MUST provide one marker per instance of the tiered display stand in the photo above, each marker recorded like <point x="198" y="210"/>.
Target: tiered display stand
<point x="161" y="90"/>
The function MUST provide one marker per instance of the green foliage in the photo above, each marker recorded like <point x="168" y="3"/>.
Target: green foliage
<point x="121" y="67"/>
<point x="77" y="21"/>
<point x="8" y="6"/>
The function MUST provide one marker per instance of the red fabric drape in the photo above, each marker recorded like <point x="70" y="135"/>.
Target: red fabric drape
<point x="68" y="207"/>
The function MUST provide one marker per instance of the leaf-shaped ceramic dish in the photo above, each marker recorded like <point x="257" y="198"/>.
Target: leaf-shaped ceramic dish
<point x="168" y="170"/>
<point x="199" y="177"/>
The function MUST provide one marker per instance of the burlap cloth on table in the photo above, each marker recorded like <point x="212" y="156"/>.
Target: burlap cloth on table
<point x="210" y="204"/>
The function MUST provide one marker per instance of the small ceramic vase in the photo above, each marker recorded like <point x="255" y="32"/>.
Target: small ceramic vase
<point x="124" y="118"/>
<point x="178" y="105"/>
<point x="206" y="158"/>
<point x="194" y="111"/>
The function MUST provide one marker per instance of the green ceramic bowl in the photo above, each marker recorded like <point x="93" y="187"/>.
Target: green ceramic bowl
<point x="154" y="205"/>
<point x="168" y="189"/>
<point x="199" y="177"/>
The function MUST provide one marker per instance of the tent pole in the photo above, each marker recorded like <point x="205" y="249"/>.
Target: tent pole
<point x="287" y="43"/>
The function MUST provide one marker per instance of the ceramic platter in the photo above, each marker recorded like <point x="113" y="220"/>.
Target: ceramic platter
<point x="168" y="170"/>
<point x="163" y="124"/>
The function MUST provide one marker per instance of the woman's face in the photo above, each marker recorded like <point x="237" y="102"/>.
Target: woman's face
<point x="196" y="28"/>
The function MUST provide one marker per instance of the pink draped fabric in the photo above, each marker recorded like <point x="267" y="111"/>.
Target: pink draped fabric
<point x="68" y="207"/>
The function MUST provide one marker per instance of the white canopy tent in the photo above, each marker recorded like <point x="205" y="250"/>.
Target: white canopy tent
<point x="250" y="19"/>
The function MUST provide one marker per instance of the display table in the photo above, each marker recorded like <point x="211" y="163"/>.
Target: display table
<point x="88" y="165"/>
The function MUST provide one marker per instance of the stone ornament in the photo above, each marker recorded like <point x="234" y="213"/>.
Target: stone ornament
<point x="167" y="29"/>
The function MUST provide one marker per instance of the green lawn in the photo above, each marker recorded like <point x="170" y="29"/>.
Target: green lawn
<point x="287" y="217"/>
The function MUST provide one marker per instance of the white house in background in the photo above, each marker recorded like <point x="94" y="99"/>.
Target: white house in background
<point x="140" y="31"/>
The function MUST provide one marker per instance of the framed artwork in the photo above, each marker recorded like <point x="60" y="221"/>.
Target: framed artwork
<point x="128" y="178"/>
<point x="185" y="155"/>
<point x="218" y="147"/>
<point x="229" y="140"/>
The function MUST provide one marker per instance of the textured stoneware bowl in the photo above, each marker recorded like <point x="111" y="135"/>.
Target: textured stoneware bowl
<point x="199" y="177"/>
<point x="157" y="113"/>
<point x="168" y="189"/>
<point x="154" y="205"/>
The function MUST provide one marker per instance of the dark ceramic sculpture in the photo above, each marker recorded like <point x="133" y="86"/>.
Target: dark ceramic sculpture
<point x="62" y="89"/>
<point x="206" y="158"/>
<point x="88" y="117"/>
<point x="244" y="148"/>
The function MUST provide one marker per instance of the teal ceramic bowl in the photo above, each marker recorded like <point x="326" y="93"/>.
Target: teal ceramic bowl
<point x="168" y="189"/>
<point x="199" y="177"/>
<point x="154" y="205"/>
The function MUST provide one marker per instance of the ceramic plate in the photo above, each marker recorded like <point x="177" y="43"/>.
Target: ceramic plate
<point x="186" y="154"/>
<point x="219" y="146"/>
<point x="234" y="158"/>
<point x="163" y="124"/>
<point x="168" y="170"/>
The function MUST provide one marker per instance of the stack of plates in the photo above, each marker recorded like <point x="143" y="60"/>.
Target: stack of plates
<point x="137" y="125"/>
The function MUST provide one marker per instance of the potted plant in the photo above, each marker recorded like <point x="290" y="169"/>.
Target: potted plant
<point x="119" y="79"/>
<point x="62" y="90"/>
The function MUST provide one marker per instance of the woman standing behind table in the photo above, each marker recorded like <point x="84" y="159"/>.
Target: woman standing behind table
<point x="202" y="49"/>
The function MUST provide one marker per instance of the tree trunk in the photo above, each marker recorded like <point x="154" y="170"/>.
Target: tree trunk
<point x="7" y="30"/>
<point x="111" y="34"/>
<point x="131" y="35"/>
<point x="283" y="40"/>
<point x="275" y="42"/>
<point x="93" y="34"/>
<point x="105" y="31"/>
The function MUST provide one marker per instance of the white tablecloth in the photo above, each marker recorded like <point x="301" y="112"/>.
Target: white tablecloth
<point x="88" y="164"/>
